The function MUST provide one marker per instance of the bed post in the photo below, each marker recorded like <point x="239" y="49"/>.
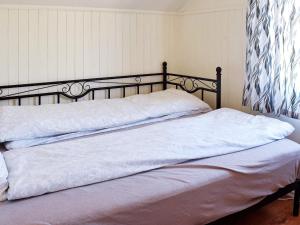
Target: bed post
<point x="165" y="75"/>
<point x="296" y="198"/>
<point x="218" y="88"/>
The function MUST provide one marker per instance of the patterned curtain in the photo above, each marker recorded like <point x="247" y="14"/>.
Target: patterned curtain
<point x="273" y="57"/>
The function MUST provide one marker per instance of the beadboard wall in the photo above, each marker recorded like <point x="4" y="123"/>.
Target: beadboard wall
<point x="212" y="33"/>
<point x="40" y="44"/>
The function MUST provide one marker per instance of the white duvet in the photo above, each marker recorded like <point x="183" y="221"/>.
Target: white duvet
<point x="53" y="167"/>
<point x="52" y="139"/>
<point x="31" y="122"/>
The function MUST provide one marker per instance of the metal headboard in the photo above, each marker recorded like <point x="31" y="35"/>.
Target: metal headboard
<point x="77" y="89"/>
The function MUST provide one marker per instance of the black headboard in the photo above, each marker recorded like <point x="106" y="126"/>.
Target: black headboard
<point x="77" y="89"/>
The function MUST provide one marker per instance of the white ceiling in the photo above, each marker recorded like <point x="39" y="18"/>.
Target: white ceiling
<point x="154" y="5"/>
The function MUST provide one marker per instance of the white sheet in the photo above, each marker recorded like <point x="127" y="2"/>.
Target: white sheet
<point x="99" y="158"/>
<point x="28" y="122"/>
<point x="191" y="193"/>
<point x="48" y="140"/>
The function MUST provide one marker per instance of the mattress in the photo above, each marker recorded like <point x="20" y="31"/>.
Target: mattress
<point x="197" y="192"/>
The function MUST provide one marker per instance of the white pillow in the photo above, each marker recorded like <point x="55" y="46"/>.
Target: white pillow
<point x="161" y="103"/>
<point x="29" y="122"/>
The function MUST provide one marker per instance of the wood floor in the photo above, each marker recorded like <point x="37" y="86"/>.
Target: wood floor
<point x="277" y="213"/>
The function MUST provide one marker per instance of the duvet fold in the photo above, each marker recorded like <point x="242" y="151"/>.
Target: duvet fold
<point x="83" y="161"/>
<point x="53" y="139"/>
<point x="31" y="122"/>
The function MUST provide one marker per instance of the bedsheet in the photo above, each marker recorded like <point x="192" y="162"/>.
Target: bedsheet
<point x="100" y="158"/>
<point x="191" y="193"/>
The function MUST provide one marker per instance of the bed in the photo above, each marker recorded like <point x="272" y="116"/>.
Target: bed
<point x="192" y="191"/>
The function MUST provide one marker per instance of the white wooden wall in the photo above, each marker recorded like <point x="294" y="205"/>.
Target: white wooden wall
<point x="213" y="33"/>
<point x="39" y="44"/>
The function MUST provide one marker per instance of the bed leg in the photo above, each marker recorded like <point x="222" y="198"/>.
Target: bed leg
<point x="296" y="198"/>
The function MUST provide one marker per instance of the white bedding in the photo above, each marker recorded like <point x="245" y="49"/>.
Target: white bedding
<point x="48" y="140"/>
<point x="73" y="163"/>
<point x="182" y="194"/>
<point x="29" y="122"/>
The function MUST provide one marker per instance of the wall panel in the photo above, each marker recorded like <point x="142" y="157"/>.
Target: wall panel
<point x="4" y="49"/>
<point x="62" y="44"/>
<point x="210" y="38"/>
<point x="46" y="44"/>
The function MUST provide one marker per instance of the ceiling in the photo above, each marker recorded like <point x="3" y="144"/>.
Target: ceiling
<point x="153" y="5"/>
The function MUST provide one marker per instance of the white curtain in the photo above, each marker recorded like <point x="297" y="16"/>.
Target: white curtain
<point x="273" y="57"/>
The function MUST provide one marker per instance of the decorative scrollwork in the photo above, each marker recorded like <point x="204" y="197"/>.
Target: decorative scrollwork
<point x="86" y="86"/>
<point x="66" y="88"/>
<point x="138" y="79"/>
<point x="189" y="84"/>
<point x="214" y="84"/>
<point x="79" y="89"/>
<point x="75" y="89"/>
<point x="192" y="84"/>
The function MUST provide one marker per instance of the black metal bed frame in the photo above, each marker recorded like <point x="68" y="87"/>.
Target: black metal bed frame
<point x="77" y="89"/>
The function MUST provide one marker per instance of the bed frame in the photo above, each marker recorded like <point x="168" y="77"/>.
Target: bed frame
<point x="87" y="88"/>
<point x="78" y="89"/>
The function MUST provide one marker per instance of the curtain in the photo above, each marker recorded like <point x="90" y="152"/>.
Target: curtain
<point x="273" y="57"/>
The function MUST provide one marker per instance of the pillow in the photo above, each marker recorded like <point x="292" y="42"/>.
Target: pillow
<point x="162" y="103"/>
<point x="29" y="122"/>
<point x="10" y="145"/>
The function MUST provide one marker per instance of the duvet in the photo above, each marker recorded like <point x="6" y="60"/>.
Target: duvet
<point x="53" y="167"/>
<point x="32" y="122"/>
